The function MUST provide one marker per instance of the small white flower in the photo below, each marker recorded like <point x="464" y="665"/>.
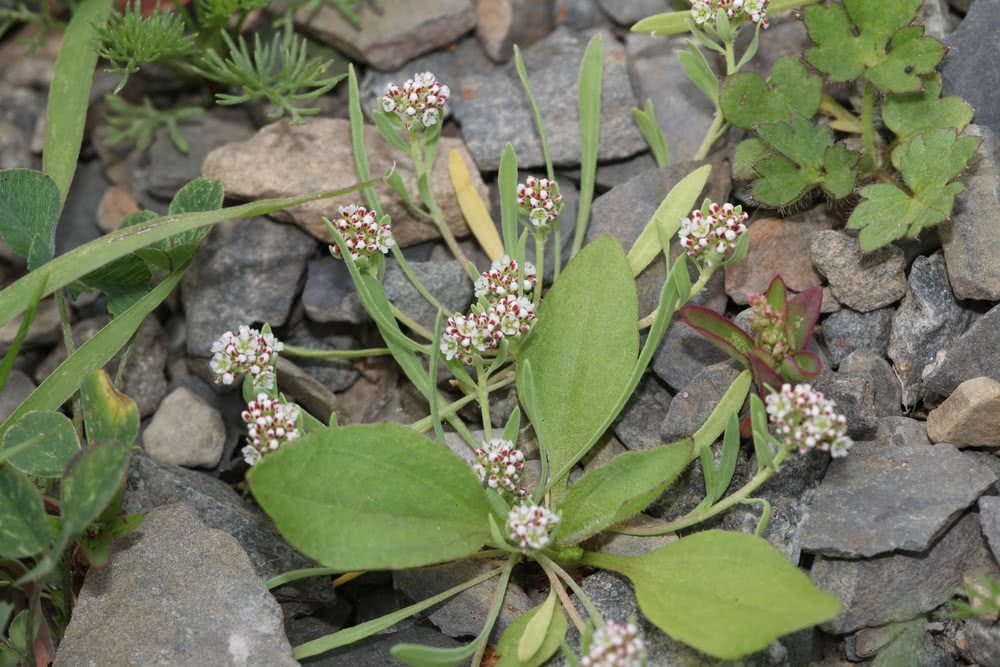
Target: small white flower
<point x="245" y="351"/>
<point x="362" y="233"/>
<point x="270" y="424"/>
<point x="530" y="525"/>
<point x="499" y="466"/>
<point x="615" y="645"/>
<point x="539" y="200"/>
<point x="501" y="279"/>
<point x="807" y="420"/>
<point x="418" y="103"/>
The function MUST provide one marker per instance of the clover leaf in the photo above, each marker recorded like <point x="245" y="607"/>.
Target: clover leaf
<point x="889" y="54"/>
<point x="747" y="99"/>
<point x="804" y="157"/>
<point x="907" y="115"/>
<point x="929" y="163"/>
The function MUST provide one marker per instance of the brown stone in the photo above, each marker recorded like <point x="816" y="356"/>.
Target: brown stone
<point x="776" y="247"/>
<point x="283" y="160"/>
<point x="970" y="417"/>
<point x="502" y="23"/>
<point x="115" y="206"/>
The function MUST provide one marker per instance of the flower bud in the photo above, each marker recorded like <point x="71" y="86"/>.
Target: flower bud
<point x="806" y="420"/>
<point x="246" y="351"/>
<point x="530" y="525"/>
<point x="615" y="645"/>
<point x="270" y="424"/>
<point x="418" y="103"/>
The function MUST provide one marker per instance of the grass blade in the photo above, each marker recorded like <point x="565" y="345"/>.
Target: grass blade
<point x="591" y="73"/>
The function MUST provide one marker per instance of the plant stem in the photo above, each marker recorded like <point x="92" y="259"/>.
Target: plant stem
<point x="70" y="349"/>
<point x="123" y="361"/>
<point x="699" y="284"/>
<point x="307" y="353"/>
<point x="557" y="252"/>
<point x="410" y="322"/>
<point x="539" y="268"/>
<point x="592" y="611"/>
<point x="868" y="126"/>
<point x="567" y="604"/>
<point x="483" y="396"/>
<point x="498" y="597"/>
<point x="719" y="507"/>
<point x="403" y="264"/>
<point x="423" y="425"/>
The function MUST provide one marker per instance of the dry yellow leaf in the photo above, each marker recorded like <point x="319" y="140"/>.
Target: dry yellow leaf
<point x="476" y="214"/>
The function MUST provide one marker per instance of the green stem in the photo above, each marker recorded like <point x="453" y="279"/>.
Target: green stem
<point x="423" y="425"/>
<point x="483" y="396"/>
<point x="123" y="361"/>
<point x="307" y="353"/>
<point x="699" y="284"/>
<point x="698" y="516"/>
<point x="498" y="596"/>
<point x="714" y="132"/>
<point x="557" y="252"/>
<point x="70" y="349"/>
<point x="730" y="57"/>
<point x="539" y="268"/>
<point x="868" y="126"/>
<point x="592" y="611"/>
<point x="403" y="264"/>
<point x="567" y="604"/>
<point x="410" y="322"/>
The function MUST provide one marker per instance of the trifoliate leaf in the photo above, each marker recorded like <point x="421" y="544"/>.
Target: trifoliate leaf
<point x="929" y="164"/>
<point x="747" y="99"/>
<point x="907" y="115"/>
<point x="889" y="54"/>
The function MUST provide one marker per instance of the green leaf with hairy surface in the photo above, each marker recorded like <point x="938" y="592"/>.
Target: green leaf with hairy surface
<point x="749" y="152"/>
<point x="29" y="211"/>
<point x="908" y="115"/>
<point x="651" y="132"/>
<point x="24" y="532"/>
<point x="725" y="593"/>
<point x="53" y="443"/>
<point x="108" y="413"/>
<point x="619" y="490"/>
<point x="123" y="281"/>
<point x="200" y="195"/>
<point x="747" y="99"/>
<point x="582" y="350"/>
<point x="929" y="164"/>
<point x="890" y="55"/>
<point x="839" y="171"/>
<point x="371" y="497"/>
<point x="507" y="182"/>
<point x="699" y="71"/>
<point x="554" y="630"/>
<point x="678" y="204"/>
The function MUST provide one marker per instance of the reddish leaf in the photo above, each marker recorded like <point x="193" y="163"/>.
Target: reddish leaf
<point x="719" y="331"/>
<point x="763" y="366"/>
<point x="803" y="312"/>
<point x="777" y="294"/>
<point x="803" y="365"/>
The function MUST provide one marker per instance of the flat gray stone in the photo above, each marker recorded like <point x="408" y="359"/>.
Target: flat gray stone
<point x="928" y="320"/>
<point x="693" y="404"/>
<point x="495" y="110"/>
<point x="334" y="374"/>
<point x="500" y="24"/>
<point x="887" y="396"/>
<point x="446" y="280"/>
<point x="176" y="592"/>
<point x="876" y="501"/>
<point x="861" y="281"/>
<point x="897" y="587"/>
<point x="963" y="359"/>
<point x="982" y="641"/>
<point x="970" y="246"/>
<point x="638" y="426"/>
<point x="854" y="395"/>
<point x="19" y="386"/>
<point x="627" y="12"/>
<point x="848" y="330"/>
<point x="968" y="70"/>
<point x="989" y="519"/>
<point x="900" y="431"/>
<point x="329" y="294"/>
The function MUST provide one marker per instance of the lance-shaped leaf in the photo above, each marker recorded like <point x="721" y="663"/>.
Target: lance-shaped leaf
<point x="719" y="331"/>
<point x="871" y="38"/>
<point x="513" y="641"/>
<point x="929" y="164"/>
<point x="907" y="115"/>
<point x="373" y="496"/>
<point x="725" y="593"/>
<point x="803" y="313"/>
<point x="806" y="157"/>
<point x="800" y="366"/>
<point x="619" y="490"/>
<point x="29" y="210"/>
<point x="747" y="99"/>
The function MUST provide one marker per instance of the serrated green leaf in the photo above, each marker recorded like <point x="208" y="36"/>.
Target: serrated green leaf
<point x="56" y="440"/>
<point x="749" y="152"/>
<point x="781" y="181"/>
<point x="24" y="532"/>
<point x="800" y="141"/>
<point x="890" y="55"/>
<point x="555" y="631"/>
<point x="747" y="99"/>
<point x="200" y="195"/>
<point x="619" y="490"/>
<point x="29" y="211"/>
<point x="929" y="164"/>
<point x="840" y="171"/>
<point x="108" y="413"/>
<point x="372" y="497"/>
<point x="725" y="593"/>
<point x="907" y="115"/>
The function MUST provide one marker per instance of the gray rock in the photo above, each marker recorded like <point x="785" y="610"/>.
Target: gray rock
<point x="683" y="354"/>
<point x="78" y="222"/>
<point x="253" y="277"/>
<point x="15" y="147"/>
<point x="23" y="111"/>
<point x="683" y="112"/>
<point x="618" y="544"/>
<point x="150" y="484"/>
<point x="627" y="12"/>
<point x="465" y="614"/>
<point x="389" y="37"/>
<point x="18" y="387"/>
<point x="185" y="431"/>
<point x="868" y="641"/>
<point x="369" y="652"/>
<point x="973" y="270"/>
<point x="915" y="646"/>
<point x="46" y="328"/>
<point x="887" y="397"/>
<point x="935" y="18"/>
<point x="989" y="519"/>
<point x="963" y="359"/>
<point x="445" y="280"/>
<point x="144" y="380"/>
<point x="862" y="281"/>
<point x="494" y="108"/>
<point x="500" y="24"/>
<point x="898" y="587"/>
<point x="334" y="374"/>
<point x="329" y="294"/>
<point x="875" y="501"/>
<point x="170" y="170"/>
<point x="848" y="330"/>
<point x="688" y="490"/>
<point x="638" y="425"/>
<point x="901" y="431"/>
<point x="970" y="417"/>
<point x="693" y="404"/>
<point x="854" y="395"/>
<point x="982" y="641"/>
<point x="968" y="71"/>
<point x="305" y="390"/>
<point x="176" y="592"/>
<point x="928" y="320"/>
<point x="784" y="529"/>
<point x="579" y="14"/>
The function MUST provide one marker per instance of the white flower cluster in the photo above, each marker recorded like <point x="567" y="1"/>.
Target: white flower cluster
<point x="755" y="11"/>
<point x="270" y="424"/>
<point x="615" y="645"/>
<point x="530" y="525"/>
<point x="501" y="279"/>
<point x="245" y="351"/>
<point x="499" y="465"/>
<point x="467" y="335"/>
<point x="711" y="232"/>
<point x="362" y="233"/>
<point x="807" y="420"/>
<point x="539" y="199"/>
<point x="418" y="103"/>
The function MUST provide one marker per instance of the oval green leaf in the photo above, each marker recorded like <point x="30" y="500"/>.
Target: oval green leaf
<point x="108" y="413"/>
<point x="513" y="637"/>
<point x="727" y="594"/>
<point x="29" y="211"/>
<point x="24" y="531"/>
<point x="56" y="443"/>
<point x="373" y="496"/>
<point x="90" y="484"/>
<point x="582" y="350"/>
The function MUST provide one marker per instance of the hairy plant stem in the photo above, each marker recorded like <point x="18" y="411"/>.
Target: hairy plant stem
<point x="410" y="322"/>
<point x="307" y="353"/>
<point x="869" y="161"/>
<point x="483" y="396"/>
<point x="567" y="604"/>
<point x="592" y="611"/>
<point x="539" y="268"/>
<point x="423" y="185"/>
<point x="697" y="516"/>
<point x="502" y="380"/>
<point x="70" y="349"/>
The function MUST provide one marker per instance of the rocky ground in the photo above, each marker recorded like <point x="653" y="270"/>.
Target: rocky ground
<point x="909" y="340"/>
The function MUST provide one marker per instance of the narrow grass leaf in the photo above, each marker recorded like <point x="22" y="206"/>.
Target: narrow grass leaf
<point x="589" y="101"/>
<point x="358" y="138"/>
<point x="507" y="182"/>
